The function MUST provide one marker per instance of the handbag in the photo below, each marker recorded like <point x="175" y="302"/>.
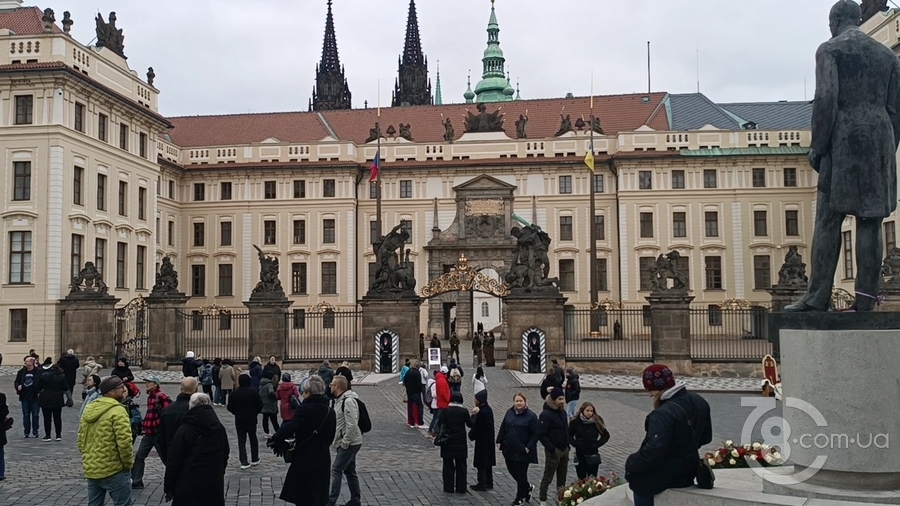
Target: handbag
<point x="443" y="436"/>
<point x="705" y="476"/>
<point x="288" y="454"/>
<point x="593" y="460"/>
<point x="8" y="423"/>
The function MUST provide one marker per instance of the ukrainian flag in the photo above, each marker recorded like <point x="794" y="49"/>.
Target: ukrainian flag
<point x="589" y="157"/>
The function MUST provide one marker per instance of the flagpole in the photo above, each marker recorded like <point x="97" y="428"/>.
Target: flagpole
<point x="592" y="250"/>
<point x="378" y="177"/>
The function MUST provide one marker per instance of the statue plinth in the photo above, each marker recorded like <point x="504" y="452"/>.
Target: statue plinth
<point x="163" y="308"/>
<point x="890" y="291"/>
<point x="391" y="295"/>
<point x="89" y="323"/>
<point x="542" y="313"/>
<point x="670" y="329"/>
<point x="784" y="294"/>
<point x="398" y="314"/>
<point x="268" y="297"/>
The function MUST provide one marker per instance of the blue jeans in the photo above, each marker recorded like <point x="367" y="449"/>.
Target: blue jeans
<point x="571" y="407"/>
<point x="118" y="486"/>
<point x="31" y="417"/>
<point x="434" y="419"/>
<point x="345" y="464"/>
<point x="643" y="500"/>
<point x="217" y="397"/>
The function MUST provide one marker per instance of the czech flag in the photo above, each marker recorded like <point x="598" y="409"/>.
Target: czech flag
<point x="376" y="165"/>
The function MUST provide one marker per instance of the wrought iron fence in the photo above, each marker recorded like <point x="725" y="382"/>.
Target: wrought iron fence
<point x="327" y="334"/>
<point x="614" y="334"/>
<point x="216" y="332"/>
<point x="719" y="334"/>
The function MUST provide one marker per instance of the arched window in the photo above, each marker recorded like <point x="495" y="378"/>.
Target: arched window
<point x="485" y="310"/>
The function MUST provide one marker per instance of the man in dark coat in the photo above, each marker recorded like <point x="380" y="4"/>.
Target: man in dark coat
<point x="313" y="427"/>
<point x="412" y="381"/>
<point x="69" y="364"/>
<point x="485" y="457"/>
<point x="190" y="365"/>
<point x="554" y="437"/>
<point x="172" y="416"/>
<point x="246" y="405"/>
<point x="198" y="456"/>
<point x="4" y="413"/>
<point x="455" y="419"/>
<point x="855" y="134"/>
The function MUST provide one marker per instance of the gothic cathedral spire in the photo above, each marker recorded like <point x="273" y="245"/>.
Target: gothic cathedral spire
<point x="413" y="86"/>
<point x="331" y="90"/>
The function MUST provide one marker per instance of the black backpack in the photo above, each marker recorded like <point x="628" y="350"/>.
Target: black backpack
<point x="365" y="423"/>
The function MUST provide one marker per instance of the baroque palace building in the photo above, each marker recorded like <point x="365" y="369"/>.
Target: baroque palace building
<point x="93" y="172"/>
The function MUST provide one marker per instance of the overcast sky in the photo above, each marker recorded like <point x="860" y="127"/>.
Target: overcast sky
<point x="234" y="56"/>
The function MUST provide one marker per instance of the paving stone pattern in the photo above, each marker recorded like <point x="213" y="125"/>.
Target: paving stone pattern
<point x="633" y="383"/>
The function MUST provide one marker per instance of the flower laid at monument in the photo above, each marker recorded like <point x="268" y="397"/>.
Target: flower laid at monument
<point x="733" y="457"/>
<point x="582" y="490"/>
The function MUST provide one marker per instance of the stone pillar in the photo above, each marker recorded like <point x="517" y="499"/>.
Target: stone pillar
<point x="891" y="294"/>
<point x="783" y="295"/>
<point x="670" y="329"/>
<point x="166" y="327"/>
<point x="89" y="325"/>
<point x="464" y="329"/>
<point x="400" y="315"/>
<point x="524" y="312"/>
<point x="268" y="325"/>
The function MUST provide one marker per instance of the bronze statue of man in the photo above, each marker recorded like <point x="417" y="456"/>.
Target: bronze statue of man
<point x="855" y="134"/>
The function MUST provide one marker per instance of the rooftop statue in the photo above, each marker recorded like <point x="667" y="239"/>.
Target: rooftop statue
<point x="109" y="36"/>
<point x="565" y="125"/>
<point x="520" y="127"/>
<point x="484" y="121"/>
<point x="449" y="133"/>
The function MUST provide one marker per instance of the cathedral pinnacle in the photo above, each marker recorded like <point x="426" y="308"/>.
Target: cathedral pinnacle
<point x="412" y="86"/>
<point x="331" y="90"/>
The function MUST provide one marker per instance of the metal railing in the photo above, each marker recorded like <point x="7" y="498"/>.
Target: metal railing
<point x="221" y="334"/>
<point x="729" y="334"/>
<point x="327" y="335"/>
<point x="615" y="334"/>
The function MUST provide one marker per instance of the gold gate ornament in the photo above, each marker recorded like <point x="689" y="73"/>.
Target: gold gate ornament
<point x="463" y="278"/>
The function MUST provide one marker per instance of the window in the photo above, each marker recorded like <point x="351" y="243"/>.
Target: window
<point x="646" y="263"/>
<point x="77" y="246"/>
<point x="602" y="275"/>
<point x="157" y="231"/>
<point x="792" y="223"/>
<point x="408" y="226"/>
<point x="373" y="231"/>
<point x="142" y="145"/>
<point x="760" y="224"/>
<point x="677" y="179"/>
<point x="328" y="319"/>
<point x="300" y="189"/>
<point x="328" y="231"/>
<point x="171" y="233"/>
<point x="172" y="189"/>
<point x="567" y="275"/>
<point x="18" y="325"/>
<point x="79" y="117"/>
<point x="100" y="256"/>
<point x="123" y="136"/>
<point x="598" y="183"/>
<point x="328" y="188"/>
<point x="599" y="227"/>
<point x="269" y="190"/>
<point x="269" y="232"/>
<point x="78" y="186"/>
<point x="645" y="180"/>
<point x="790" y="177"/>
<point x="139" y="267"/>
<point x="373" y="190"/>
<point x="762" y="272"/>
<point x="299" y="318"/>
<point x="24" y="109"/>
<point x="298" y="277"/>
<point x="199" y="191"/>
<point x="848" y="254"/>
<point x="712" y="223"/>
<point x="102" y="121"/>
<point x="224" y="321"/>
<point x="142" y="203"/>
<point x="225" y="191"/>
<point x="19" y="258"/>
<point x="684" y="266"/>
<point x="713" y="273"/>
<point x="123" y="198"/>
<point x="101" y="192"/>
<point x="679" y="224"/>
<point x="196" y="320"/>
<point x="646" y="315"/>
<point x="890" y="237"/>
<point x="759" y="178"/>
<point x="225" y="233"/>
<point x="22" y="180"/>
<point x="226" y="273"/>
<point x="329" y="277"/>
<point x="299" y="231"/>
<point x="485" y="310"/>
<point x="715" y="315"/>
<point x="709" y="178"/>
<point x="198" y="280"/>
<point x="199" y="234"/>
<point x="406" y="191"/>
<point x="646" y="224"/>
<point x="121" y="259"/>
<point x="565" y="185"/>
<point x="565" y="228"/>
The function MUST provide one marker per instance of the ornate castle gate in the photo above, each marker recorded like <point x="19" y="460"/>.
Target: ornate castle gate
<point x="133" y="331"/>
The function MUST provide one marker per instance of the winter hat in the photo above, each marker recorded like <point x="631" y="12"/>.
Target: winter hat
<point x="153" y="379"/>
<point x="268" y="375"/>
<point x="444" y="369"/>
<point x="658" y="377"/>
<point x="286" y="377"/>
<point x="556" y="393"/>
<point x="244" y="380"/>
<point x="456" y="397"/>
<point x="190" y="354"/>
<point x="110" y="383"/>
<point x="481" y="397"/>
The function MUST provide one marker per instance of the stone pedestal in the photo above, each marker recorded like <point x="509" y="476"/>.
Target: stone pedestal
<point x="400" y="315"/>
<point x="783" y="295"/>
<point x="166" y="328"/>
<point x="670" y="330"/>
<point x="891" y="294"/>
<point x="267" y="325"/>
<point x="89" y="325"/>
<point x="525" y="313"/>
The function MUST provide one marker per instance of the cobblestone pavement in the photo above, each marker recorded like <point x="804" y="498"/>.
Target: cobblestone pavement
<point x="397" y="465"/>
<point x="633" y="383"/>
<point x="176" y="376"/>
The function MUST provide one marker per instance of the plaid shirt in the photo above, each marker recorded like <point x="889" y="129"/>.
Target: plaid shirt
<point x="156" y="402"/>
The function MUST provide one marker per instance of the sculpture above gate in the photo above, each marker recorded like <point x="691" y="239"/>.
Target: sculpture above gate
<point x="464" y="278"/>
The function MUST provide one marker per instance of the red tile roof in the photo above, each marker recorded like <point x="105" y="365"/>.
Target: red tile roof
<point x="617" y="113"/>
<point x="24" y="21"/>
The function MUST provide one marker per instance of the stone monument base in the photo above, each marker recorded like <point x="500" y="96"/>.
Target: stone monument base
<point x="267" y="325"/>
<point x="166" y="326"/>
<point x="400" y="315"/>
<point x="525" y="311"/>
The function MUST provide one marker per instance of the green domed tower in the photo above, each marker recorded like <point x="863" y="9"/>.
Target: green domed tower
<point x="494" y="82"/>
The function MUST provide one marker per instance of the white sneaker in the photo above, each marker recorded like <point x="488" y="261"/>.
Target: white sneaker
<point x="543" y="503"/>
<point x="245" y="466"/>
<point x="254" y="463"/>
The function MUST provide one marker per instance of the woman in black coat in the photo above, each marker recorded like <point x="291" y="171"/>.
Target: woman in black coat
<point x="587" y="433"/>
<point x="313" y="427"/>
<point x="197" y="458"/>
<point x="122" y="370"/>
<point x="273" y="367"/>
<point x="482" y="433"/>
<point x="455" y="419"/>
<point x="4" y="413"/>
<point x="518" y="439"/>
<point x="52" y="388"/>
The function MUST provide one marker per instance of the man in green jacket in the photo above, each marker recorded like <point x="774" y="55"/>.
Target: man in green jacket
<point x="104" y="440"/>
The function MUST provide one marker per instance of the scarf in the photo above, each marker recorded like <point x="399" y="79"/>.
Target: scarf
<point x="585" y="419"/>
<point x="520" y="411"/>
<point x="456" y="404"/>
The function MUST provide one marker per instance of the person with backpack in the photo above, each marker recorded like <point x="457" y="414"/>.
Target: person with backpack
<point x="455" y="379"/>
<point x="206" y="377"/>
<point x="415" y="418"/>
<point x="270" y="403"/>
<point x="352" y="421"/>
<point x="286" y="392"/>
<point x="430" y="398"/>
